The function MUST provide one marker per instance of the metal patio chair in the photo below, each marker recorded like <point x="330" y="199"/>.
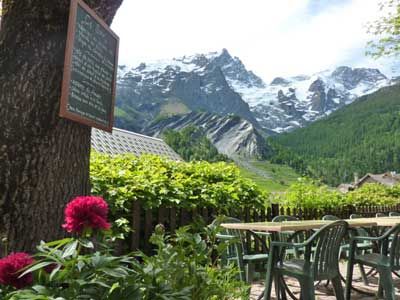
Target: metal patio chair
<point x="345" y="248"/>
<point x="320" y="262"/>
<point x="236" y="250"/>
<point x="290" y="236"/>
<point x="385" y="262"/>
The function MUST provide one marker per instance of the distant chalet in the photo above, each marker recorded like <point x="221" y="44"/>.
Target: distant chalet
<point x="389" y="179"/>
<point x="123" y="141"/>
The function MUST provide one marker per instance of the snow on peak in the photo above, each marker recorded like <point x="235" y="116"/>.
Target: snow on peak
<point x="282" y="105"/>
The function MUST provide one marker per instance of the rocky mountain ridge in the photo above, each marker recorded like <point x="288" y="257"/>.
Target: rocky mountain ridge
<point x="231" y="135"/>
<point x="289" y="103"/>
<point x="215" y="91"/>
<point x="179" y="86"/>
<point x="219" y="83"/>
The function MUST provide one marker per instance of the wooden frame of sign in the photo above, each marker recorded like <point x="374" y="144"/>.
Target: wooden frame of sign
<point x="90" y="69"/>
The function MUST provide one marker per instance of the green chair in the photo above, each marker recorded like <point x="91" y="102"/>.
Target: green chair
<point x="345" y="246"/>
<point x="394" y="214"/>
<point x="385" y="262"/>
<point x="283" y="218"/>
<point x="236" y="250"/>
<point x="290" y="236"/>
<point x="364" y="245"/>
<point x="330" y="218"/>
<point x="324" y="247"/>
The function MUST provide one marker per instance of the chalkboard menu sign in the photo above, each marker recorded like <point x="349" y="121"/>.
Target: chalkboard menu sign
<point x="90" y="69"/>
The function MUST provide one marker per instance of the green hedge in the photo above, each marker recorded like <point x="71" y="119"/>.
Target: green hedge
<point x="308" y="194"/>
<point x="156" y="181"/>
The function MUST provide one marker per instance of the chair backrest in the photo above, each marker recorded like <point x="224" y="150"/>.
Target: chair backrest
<point x="379" y="215"/>
<point x="283" y="218"/>
<point x="293" y="237"/>
<point x="359" y="230"/>
<point x="393" y="246"/>
<point x="394" y="214"/>
<point x="324" y="246"/>
<point x="356" y="216"/>
<point x="330" y="218"/>
<point x="237" y="247"/>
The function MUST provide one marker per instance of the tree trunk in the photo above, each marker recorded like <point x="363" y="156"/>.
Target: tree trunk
<point x="44" y="159"/>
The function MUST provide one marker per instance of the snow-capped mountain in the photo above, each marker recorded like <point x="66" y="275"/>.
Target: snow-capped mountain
<point x="288" y="103"/>
<point x="221" y="84"/>
<point x="178" y="86"/>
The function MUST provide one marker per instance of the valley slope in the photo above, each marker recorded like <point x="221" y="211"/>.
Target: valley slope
<point x="361" y="137"/>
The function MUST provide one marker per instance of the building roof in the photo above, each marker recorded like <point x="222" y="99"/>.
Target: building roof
<point x="123" y="141"/>
<point x="345" y="187"/>
<point x="388" y="179"/>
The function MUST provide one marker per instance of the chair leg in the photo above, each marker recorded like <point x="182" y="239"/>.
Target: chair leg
<point x="337" y="286"/>
<point x="307" y="289"/>
<point x="349" y="277"/>
<point x="269" y="276"/>
<point x="283" y="288"/>
<point x="278" y="290"/>
<point x="240" y="264"/>
<point x="250" y="268"/>
<point x="363" y="274"/>
<point x="385" y="276"/>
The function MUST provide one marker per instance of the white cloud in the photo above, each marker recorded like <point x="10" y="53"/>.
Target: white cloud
<point x="272" y="37"/>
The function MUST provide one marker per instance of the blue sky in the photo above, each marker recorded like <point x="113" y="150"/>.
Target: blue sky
<point x="318" y="6"/>
<point x="271" y="37"/>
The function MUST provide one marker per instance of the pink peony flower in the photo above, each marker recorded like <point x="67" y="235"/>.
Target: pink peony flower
<point x="10" y="270"/>
<point x="86" y="212"/>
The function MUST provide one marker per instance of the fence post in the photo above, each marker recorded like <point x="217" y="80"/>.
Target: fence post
<point x="350" y="209"/>
<point x="136" y="221"/>
<point x="148" y="229"/>
<point x="274" y="210"/>
<point x="172" y="219"/>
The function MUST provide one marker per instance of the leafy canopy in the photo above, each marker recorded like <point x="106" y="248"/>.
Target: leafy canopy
<point x="192" y="144"/>
<point x="156" y="182"/>
<point x="387" y="30"/>
<point x="311" y="195"/>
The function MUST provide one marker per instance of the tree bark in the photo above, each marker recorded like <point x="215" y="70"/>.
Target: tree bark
<point x="44" y="159"/>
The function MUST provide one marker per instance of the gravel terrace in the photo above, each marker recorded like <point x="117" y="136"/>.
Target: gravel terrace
<point x="326" y="293"/>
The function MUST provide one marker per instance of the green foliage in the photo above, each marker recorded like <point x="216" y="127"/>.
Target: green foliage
<point x="184" y="267"/>
<point x="387" y="30"/>
<point x="185" y="263"/>
<point x="374" y="194"/>
<point x="156" y="181"/>
<point x="308" y="194"/>
<point x="192" y="144"/>
<point x="363" y="137"/>
<point x="79" y="272"/>
<point x="311" y="195"/>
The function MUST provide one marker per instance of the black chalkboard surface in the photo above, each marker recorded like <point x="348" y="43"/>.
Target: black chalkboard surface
<point x="91" y="60"/>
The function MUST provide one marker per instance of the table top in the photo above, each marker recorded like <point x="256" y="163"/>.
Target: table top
<point x="383" y="221"/>
<point x="298" y="225"/>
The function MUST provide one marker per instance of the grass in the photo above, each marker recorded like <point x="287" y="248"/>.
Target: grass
<point x="268" y="176"/>
<point x="174" y="106"/>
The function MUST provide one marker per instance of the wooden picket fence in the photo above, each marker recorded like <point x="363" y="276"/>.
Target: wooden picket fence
<point x="144" y="220"/>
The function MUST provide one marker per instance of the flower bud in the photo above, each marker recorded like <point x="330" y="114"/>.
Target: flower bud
<point x="159" y="229"/>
